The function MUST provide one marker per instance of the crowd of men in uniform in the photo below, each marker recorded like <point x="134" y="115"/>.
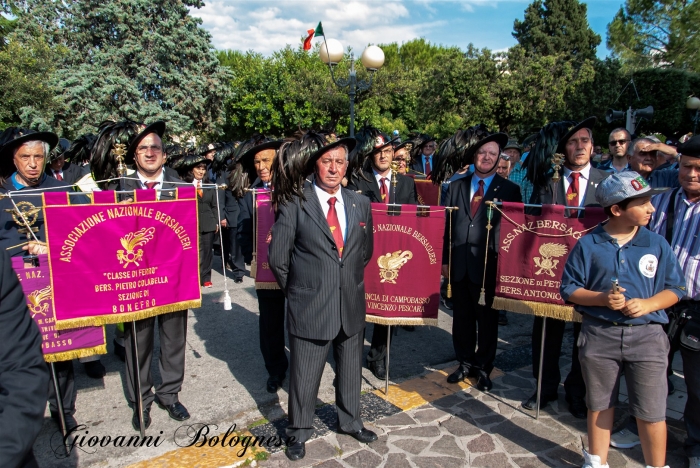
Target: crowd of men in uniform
<point x="322" y="187"/>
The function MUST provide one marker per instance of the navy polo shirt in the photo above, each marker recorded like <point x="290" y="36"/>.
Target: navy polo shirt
<point x="644" y="266"/>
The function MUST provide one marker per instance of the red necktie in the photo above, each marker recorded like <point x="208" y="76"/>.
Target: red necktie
<point x="478" y="196"/>
<point x="383" y="190"/>
<point x="428" y="169"/>
<point x="572" y="191"/>
<point x="58" y="176"/>
<point x="151" y="185"/>
<point x="334" y="224"/>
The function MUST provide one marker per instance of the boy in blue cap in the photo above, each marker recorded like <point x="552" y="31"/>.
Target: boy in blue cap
<point x="621" y="277"/>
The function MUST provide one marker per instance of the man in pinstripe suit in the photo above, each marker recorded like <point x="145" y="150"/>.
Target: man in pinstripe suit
<point x="318" y="253"/>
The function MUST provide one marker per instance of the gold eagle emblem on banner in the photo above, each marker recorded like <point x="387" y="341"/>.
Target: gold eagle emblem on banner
<point x="549" y="252"/>
<point x="36" y="301"/>
<point x="130" y="242"/>
<point x="390" y="263"/>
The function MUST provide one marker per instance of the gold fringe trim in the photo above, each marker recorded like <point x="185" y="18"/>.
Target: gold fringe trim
<point x="253" y="266"/>
<point x="266" y="285"/>
<point x="401" y="320"/>
<point x="75" y="354"/>
<point x="126" y="317"/>
<point x="539" y="309"/>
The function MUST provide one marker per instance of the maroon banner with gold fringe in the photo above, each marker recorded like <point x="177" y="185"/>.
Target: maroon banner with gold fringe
<point x="532" y="253"/>
<point x="402" y="281"/>
<point x="264" y="219"/>
<point x="62" y="345"/>
<point x="428" y="193"/>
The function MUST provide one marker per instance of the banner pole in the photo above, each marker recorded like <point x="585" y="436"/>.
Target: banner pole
<point x="539" y="371"/>
<point x="137" y="378"/>
<point x="388" y="350"/>
<point x="59" y="400"/>
<point x="227" y="296"/>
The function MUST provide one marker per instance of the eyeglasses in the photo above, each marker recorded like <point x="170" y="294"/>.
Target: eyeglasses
<point x="617" y="142"/>
<point x="149" y="149"/>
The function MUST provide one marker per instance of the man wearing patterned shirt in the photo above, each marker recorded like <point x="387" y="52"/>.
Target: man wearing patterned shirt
<point x="682" y="208"/>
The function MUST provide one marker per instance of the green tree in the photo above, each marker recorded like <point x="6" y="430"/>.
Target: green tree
<point x="650" y="33"/>
<point x="134" y="59"/>
<point x="555" y="27"/>
<point x="25" y="70"/>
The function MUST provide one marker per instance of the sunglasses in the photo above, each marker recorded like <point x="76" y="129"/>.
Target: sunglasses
<point x="617" y="142"/>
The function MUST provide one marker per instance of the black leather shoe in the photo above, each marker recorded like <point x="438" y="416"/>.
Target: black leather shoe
<point x="94" y="369"/>
<point x="671" y="387"/>
<point x="296" y="451"/>
<point x="71" y="423"/>
<point x="531" y="403"/>
<point x="378" y="369"/>
<point x="363" y="435"/>
<point x="274" y="383"/>
<point x="409" y="328"/>
<point x="577" y="407"/>
<point x="483" y="382"/>
<point x="119" y="350"/>
<point x="447" y="303"/>
<point x="460" y="374"/>
<point x="502" y="318"/>
<point x="146" y="418"/>
<point x="176" y="411"/>
<point x="237" y="280"/>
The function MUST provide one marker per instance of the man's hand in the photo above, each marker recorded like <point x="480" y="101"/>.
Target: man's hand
<point x="615" y="301"/>
<point x="127" y="201"/>
<point x="224" y="223"/>
<point x="445" y="271"/>
<point x="636" y="308"/>
<point x="664" y="148"/>
<point x="36" y="248"/>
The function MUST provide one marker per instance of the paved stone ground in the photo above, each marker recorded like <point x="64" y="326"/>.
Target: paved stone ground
<point x="474" y="429"/>
<point x="225" y="385"/>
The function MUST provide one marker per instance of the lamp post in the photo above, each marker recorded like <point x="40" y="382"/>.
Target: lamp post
<point x="693" y="104"/>
<point x="331" y="53"/>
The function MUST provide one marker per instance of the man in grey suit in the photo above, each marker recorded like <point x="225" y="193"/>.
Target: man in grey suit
<point x="318" y="253"/>
<point x="576" y="187"/>
<point x="147" y="153"/>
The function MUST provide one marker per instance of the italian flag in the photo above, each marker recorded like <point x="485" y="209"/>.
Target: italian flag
<point x="311" y="33"/>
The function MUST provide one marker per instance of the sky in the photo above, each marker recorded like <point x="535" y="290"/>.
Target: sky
<point x="265" y="26"/>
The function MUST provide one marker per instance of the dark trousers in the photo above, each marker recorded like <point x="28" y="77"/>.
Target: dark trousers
<point x="474" y="324"/>
<point x="66" y="385"/>
<point x="271" y="325"/>
<point x="574" y="385"/>
<point x="691" y="416"/>
<point x="172" y="331"/>
<point x="206" y="255"/>
<point x="232" y="252"/>
<point x="377" y="351"/>
<point x="308" y="358"/>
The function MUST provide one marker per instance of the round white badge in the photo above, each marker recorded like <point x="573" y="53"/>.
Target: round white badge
<point x="648" y="265"/>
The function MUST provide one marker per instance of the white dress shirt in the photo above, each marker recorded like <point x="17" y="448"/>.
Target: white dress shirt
<point x="475" y="185"/>
<point x="159" y="179"/>
<point x="323" y="197"/>
<point x="387" y="183"/>
<point x="583" y="180"/>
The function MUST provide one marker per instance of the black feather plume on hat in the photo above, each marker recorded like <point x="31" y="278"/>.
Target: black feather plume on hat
<point x="453" y="150"/>
<point x="224" y="152"/>
<point x="539" y="161"/>
<point x="60" y="149"/>
<point x="292" y="165"/>
<point x="361" y="155"/>
<point x="103" y="164"/>
<point x="243" y="173"/>
<point x="80" y="149"/>
<point x="175" y="155"/>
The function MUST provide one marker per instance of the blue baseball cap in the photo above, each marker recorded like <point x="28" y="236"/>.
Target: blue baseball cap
<point x="622" y="186"/>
